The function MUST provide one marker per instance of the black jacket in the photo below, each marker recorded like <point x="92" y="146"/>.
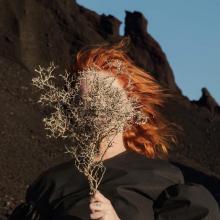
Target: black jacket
<point x="139" y="189"/>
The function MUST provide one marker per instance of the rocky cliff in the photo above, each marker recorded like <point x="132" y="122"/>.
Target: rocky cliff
<point x="37" y="31"/>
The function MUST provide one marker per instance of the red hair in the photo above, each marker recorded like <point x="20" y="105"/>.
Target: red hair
<point x="153" y="138"/>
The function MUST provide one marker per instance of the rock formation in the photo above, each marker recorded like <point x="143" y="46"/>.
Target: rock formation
<point x="35" y="32"/>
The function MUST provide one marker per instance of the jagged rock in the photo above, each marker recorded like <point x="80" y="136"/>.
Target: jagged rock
<point x="35" y="32"/>
<point x="135" y="24"/>
<point x="147" y="52"/>
<point x="109" y="25"/>
<point x="207" y="101"/>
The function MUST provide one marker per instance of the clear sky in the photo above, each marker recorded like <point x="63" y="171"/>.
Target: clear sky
<point x="187" y="31"/>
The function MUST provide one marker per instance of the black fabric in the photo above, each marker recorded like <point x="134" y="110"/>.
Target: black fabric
<point x="139" y="189"/>
<point x="212" y="183"/>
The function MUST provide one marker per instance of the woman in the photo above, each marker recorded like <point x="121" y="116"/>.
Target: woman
<point x="139" y="182"/>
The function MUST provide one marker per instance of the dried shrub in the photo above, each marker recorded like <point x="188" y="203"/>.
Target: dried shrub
<point x="100" y="113"/>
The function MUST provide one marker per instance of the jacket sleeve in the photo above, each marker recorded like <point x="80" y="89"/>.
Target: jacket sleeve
<point x="186" y="201"/>
<point x="36" y="206"/>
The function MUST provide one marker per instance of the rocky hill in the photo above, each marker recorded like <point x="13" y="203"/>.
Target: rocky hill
<point x="35" y="32"/>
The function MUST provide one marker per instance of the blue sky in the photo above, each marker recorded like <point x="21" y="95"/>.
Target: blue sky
<point x="187" y="31"/>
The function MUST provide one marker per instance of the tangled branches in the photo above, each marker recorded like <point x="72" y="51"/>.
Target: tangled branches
<point x="101" y="112"/>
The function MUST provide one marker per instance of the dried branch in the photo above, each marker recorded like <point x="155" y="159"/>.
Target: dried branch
<point x="100" y="113"/>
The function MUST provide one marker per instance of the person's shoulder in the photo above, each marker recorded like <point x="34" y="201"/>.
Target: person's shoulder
<point x="169" y="170"/>
<point x="50" y="180"/>
<point x="59" y="172"/>
<point x="41" y="190"/>
<point x="161" y="167"/>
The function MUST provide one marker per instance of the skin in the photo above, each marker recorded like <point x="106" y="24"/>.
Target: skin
<point x="103" y="212"/>
<point x="106" y="211"/>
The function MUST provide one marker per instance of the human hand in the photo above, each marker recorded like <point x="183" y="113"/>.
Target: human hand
<point x="102" y="208"/>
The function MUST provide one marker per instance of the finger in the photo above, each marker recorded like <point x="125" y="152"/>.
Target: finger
<point x="98" y="196"/>
<point x="97" y="215"/>
<point x="92" y="199"/>
<point x="93" y="206"/>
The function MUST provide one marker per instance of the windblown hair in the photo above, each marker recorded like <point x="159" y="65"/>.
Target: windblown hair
<point x="153" y="138"/>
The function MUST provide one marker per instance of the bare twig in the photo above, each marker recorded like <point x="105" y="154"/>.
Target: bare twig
<point x="86" y="120"/>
